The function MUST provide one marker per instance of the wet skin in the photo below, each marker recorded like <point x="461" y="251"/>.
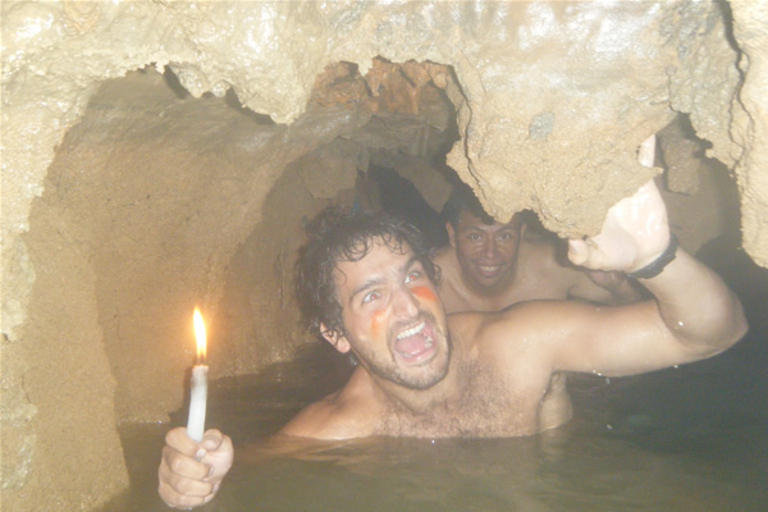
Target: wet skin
<point x="394" y="321"/>
<point x="511" y="355"/>
<point x="486" y="253"/>
<point x="422" y="292"/>
<point x="425" y="293"/>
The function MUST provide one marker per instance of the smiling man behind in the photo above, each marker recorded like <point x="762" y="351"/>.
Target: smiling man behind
<point x="490" y="265"/>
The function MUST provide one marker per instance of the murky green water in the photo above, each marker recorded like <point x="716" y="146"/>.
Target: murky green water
<point x="692" y="439"/>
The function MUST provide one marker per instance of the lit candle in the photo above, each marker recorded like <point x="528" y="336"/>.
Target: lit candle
<point x="199" y="391"/>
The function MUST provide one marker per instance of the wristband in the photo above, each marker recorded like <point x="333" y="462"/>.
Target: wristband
<point x="656" y="266"/>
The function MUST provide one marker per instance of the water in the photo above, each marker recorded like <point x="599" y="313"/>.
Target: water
<point x="687" y="439"/>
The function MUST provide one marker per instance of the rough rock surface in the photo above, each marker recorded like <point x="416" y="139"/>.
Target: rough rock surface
<point x="125" y="201"/>
<point x="750" y="129"/>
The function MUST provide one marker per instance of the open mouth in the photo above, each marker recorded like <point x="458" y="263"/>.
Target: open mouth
<point x="415" y="343"/>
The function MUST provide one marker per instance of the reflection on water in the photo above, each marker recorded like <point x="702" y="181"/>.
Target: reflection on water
<point x="693" y="439"/>
<point x="687" y="439"/>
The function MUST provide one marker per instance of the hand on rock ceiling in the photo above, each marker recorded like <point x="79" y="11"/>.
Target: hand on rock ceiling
<point x="635" y="232"/>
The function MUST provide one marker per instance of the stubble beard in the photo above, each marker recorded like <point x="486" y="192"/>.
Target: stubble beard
<point x="416" y="378"/>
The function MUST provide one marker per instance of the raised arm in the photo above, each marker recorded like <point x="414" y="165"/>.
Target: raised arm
<point x="674" y="328"/>
<point x="693" y="314"/>
<point x="612" y="288"/>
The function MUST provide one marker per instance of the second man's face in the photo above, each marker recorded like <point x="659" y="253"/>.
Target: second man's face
<point x="487" y="253"/>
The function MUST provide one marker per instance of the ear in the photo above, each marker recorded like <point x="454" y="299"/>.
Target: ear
<point x="521" y="224"/>
<point x="338" y="341"/>
<point x="451" y="233"/>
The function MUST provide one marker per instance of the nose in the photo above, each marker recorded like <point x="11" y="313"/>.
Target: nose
<point x="489" y="247"/>
<point x="404" y="303"/>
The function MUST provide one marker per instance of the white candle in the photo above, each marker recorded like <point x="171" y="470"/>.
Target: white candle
<point x="199" y="391"/>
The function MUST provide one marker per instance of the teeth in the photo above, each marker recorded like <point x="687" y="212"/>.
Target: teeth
<point x="489" y="269"/>
<point x="411" y="331"/>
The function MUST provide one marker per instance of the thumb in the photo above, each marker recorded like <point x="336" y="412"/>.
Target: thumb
<point x="578" y="251"/>
<point x="212" y="439"/>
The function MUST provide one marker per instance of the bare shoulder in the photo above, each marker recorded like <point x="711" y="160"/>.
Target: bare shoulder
<point x="465" y="326"/>
<point x="545" y="262"/>
<point x="526" y="328"/>
<point x="516" y="342"/>
<point x="547" y="258"/>
<point x="345" y="414"/>
<point x="519" y="323"/>
<point x="541" y="252"/>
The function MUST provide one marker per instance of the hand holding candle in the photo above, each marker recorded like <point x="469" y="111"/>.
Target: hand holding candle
<point x="199" y="388"/>
<point x="190" y="473"/>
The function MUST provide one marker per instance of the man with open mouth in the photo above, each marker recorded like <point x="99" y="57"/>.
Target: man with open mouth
<point x="366" y="284"/>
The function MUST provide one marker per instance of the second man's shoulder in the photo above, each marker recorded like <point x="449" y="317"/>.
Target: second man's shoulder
<point x="544" y="255"/>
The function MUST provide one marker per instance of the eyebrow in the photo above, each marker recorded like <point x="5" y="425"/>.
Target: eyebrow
<point x="370" y="283"/>
<point x="487" y="227"/>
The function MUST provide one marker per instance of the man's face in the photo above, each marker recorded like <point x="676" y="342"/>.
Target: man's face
<point x="487" y="253"/>
<point x="393" y="320"/>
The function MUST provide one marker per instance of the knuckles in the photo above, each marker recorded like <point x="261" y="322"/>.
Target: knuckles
<point x="173" y="499"/>
<point x="177" y="464"/>
<point x="182" y="483"/>
<point x="189" y="487"/>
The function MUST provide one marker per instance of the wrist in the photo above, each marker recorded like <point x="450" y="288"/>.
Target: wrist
<point x="655" y="268"/>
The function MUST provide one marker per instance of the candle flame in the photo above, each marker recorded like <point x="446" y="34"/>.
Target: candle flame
<point x="199" y="335"/>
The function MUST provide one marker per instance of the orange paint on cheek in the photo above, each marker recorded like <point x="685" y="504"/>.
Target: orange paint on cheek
<point x="424" y="293"/>
<point x="376" y="323"/>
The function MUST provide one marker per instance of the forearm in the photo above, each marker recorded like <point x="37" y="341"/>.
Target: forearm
<point x="696" y="305"/>
<point x="625" y="291"/>
<point x="610" y="288"/>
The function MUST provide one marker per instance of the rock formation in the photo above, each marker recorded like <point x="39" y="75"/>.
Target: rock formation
<point x="158" y="155"/>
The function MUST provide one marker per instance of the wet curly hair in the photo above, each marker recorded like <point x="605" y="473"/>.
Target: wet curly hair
<point x="335" y="236"/>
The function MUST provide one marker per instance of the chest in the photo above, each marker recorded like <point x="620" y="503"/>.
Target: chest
<point x="487" y="406"/>
<point x="457" y="298"/>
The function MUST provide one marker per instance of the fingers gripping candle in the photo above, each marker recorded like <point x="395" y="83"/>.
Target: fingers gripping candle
<point x="199" y="388"/>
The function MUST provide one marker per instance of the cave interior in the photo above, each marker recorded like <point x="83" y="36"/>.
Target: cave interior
<point x="162" y="195"/>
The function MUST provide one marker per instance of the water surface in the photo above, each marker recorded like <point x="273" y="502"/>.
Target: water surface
<point x="687" y="439"/>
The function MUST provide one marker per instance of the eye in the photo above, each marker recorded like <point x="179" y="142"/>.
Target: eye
<point x="413" y="275"/>
<point x="505" y="236"/>
<point x="475" y="237"/>
<point x="370" y="297"/>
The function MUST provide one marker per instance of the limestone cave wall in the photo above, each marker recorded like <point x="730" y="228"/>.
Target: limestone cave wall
<point x="158" y="155"/>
